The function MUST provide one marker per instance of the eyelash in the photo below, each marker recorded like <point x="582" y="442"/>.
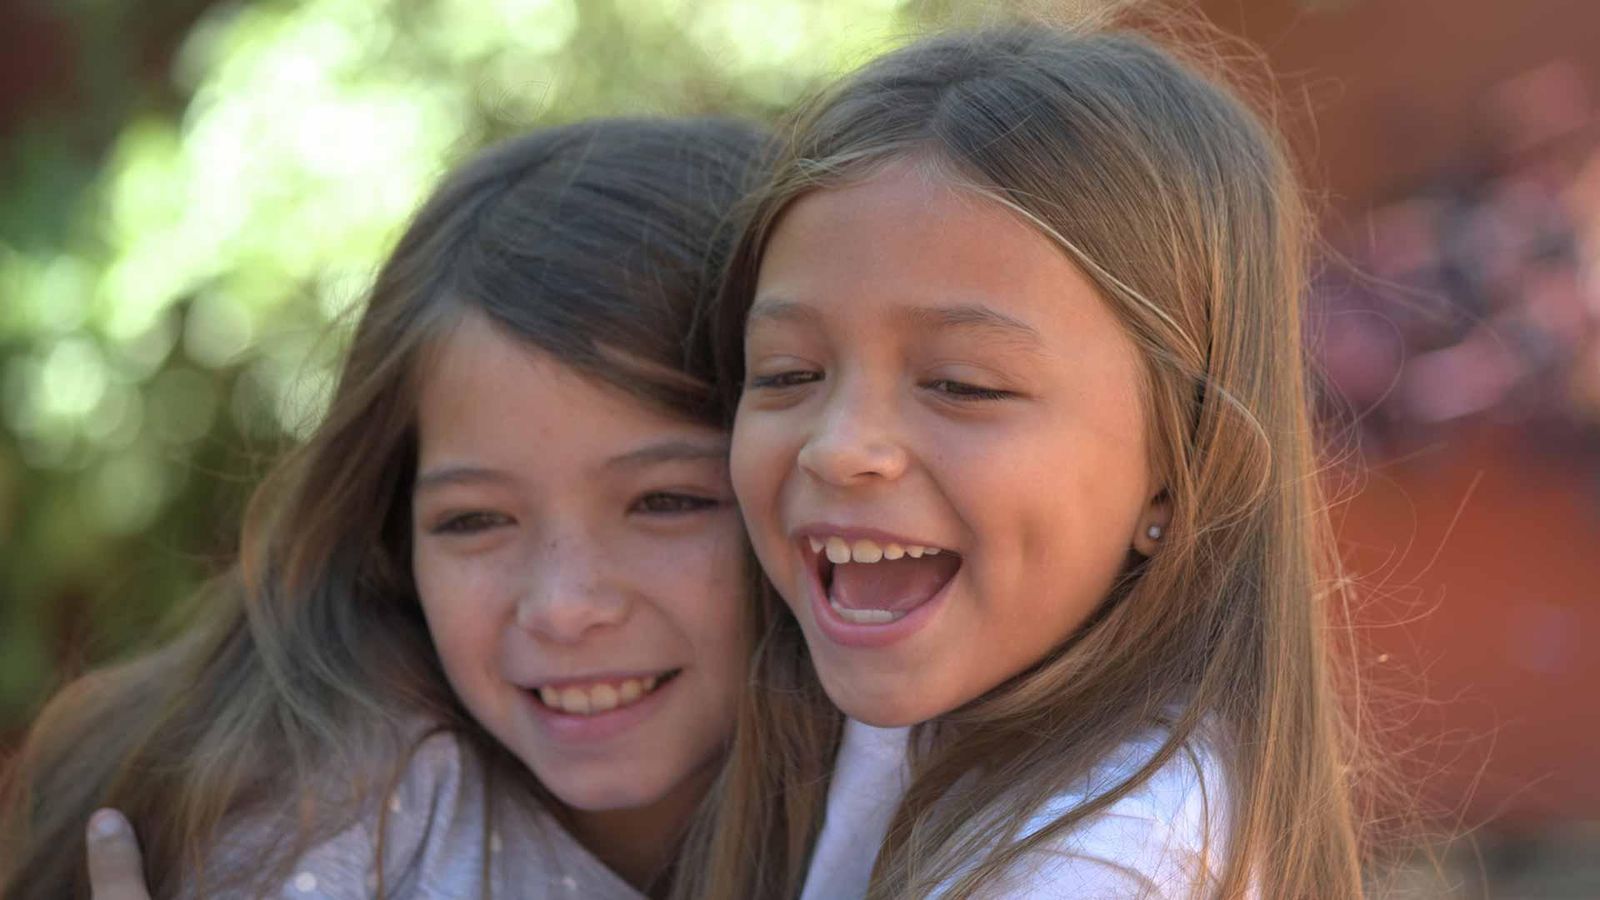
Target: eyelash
<point x="678" y="505"/>
<point x="961" y="391"/>
<point x="683" y="504"/>
<point x="955" y="390"/>
<point x="470" y="523"/>
<point x="784" y="379"/>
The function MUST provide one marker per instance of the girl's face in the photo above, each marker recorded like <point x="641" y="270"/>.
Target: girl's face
<point x="580" y="565"/>
<point x="940" y="449"/>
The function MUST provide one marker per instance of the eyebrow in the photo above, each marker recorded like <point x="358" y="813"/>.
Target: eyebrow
<point x="442" y="476"/>
<point x="958" y="317"/>
<point x="775" y="310"/>
<point x="675" y="450"/>
<point x="975" y="317"/>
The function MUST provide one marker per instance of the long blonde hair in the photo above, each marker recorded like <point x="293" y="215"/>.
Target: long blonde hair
<point x="295" y="697"/>
<point x="1182" y="207"/>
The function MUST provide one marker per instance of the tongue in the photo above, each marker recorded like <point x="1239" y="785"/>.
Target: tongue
<point x="895" y="585"/>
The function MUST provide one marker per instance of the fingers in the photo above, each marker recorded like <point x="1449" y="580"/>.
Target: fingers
<point x="116" y="871"/>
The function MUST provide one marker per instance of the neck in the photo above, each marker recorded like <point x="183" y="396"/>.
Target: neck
<point x="641" y="843"/>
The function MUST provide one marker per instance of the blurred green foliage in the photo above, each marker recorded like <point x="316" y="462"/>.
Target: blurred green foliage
<point x="171" y="299"/>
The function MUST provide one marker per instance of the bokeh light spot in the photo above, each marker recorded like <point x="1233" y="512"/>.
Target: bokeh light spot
<point x="72" y="379"/>
<point x="217" y="329"/>
<point x="183" y="405"/>
<point x="124" y="494"/>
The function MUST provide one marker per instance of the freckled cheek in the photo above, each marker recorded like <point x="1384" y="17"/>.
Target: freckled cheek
<point x="467" y="606"/>
<point x="712" y="609"/>
<point x="697" y="580"/>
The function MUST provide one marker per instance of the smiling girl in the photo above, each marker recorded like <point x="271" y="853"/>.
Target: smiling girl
<point x="1023" y="442"/>
<point x="488" y="626"/>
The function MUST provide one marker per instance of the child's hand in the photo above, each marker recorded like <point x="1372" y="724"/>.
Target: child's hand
<point x="115" y="869"/>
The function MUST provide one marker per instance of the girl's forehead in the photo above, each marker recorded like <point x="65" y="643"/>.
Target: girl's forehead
<point x="488" y="395"/>
<point x="575" y="353"/>
<point x="904" y="239"/>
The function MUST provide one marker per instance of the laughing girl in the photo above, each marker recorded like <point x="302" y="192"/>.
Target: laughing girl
<point x="1024" y="445"/>
<point x="489" y="624"/>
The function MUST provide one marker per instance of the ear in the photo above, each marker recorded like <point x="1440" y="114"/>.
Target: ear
<point x="1150" y="530"/>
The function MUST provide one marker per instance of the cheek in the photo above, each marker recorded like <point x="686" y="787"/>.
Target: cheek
<point x="757" y="461"/>
<point x="726" y="607"/>
<point x="463" y="602"/>
<point x="716" y="607"/>
<point x="1061" y="494"/>
<point x="697" y="589"/>
<point x="697" y="581"/>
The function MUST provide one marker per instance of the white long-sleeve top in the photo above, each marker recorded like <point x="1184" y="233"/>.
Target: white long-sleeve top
<point x="1165" y="840"/>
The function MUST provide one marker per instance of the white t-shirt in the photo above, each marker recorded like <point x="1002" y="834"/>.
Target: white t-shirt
<point x="870" y="776"/>
<point x="436" y="844"/>
<point x="1165" y="840"/>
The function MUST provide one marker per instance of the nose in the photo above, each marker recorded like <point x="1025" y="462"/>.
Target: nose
<point x="568" y="593"/>
<point x="854" y="442"/>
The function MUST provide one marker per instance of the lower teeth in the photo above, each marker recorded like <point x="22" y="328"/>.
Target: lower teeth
<point x="866" y="616"/>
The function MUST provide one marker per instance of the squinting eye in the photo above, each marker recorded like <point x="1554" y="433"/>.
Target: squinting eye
<point x="470" y="523"/>
<point x="665" y="503"/>
<point x="958" y="390"/>
<point x="784" y="379"/>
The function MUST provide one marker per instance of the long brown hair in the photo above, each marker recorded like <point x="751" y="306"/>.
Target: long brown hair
<point x="1182" y="207"/>
<point x="291" y="698"/>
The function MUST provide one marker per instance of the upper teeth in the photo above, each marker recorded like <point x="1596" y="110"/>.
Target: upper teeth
<point x="598" y="698"/>
<point x="862" y="550"/>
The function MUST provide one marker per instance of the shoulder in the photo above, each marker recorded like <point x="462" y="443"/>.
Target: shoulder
<point x="1166" y="838"/>
<point x="420" y="832"/>
<point x="441" y="775"/>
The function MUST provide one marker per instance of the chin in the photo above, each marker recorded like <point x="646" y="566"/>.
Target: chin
<point x="882" y="709"/>
<point x="878" y="717"/>
<point x="603" y="794"/>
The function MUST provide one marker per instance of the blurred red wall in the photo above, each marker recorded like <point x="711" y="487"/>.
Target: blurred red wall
<point x="1480" y="556"/>
<point x="1479" y="562"/>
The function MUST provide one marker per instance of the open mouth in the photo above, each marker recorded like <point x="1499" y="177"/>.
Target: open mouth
<point x="591" y="698"/>
<point x="872" y="582"/>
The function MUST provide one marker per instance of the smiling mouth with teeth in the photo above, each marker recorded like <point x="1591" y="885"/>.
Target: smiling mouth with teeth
<point x="604" y="696"/>
<point x="869" y="582"/>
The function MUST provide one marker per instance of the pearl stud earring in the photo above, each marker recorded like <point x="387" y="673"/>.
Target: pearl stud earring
<point x="1154" y="532"/>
